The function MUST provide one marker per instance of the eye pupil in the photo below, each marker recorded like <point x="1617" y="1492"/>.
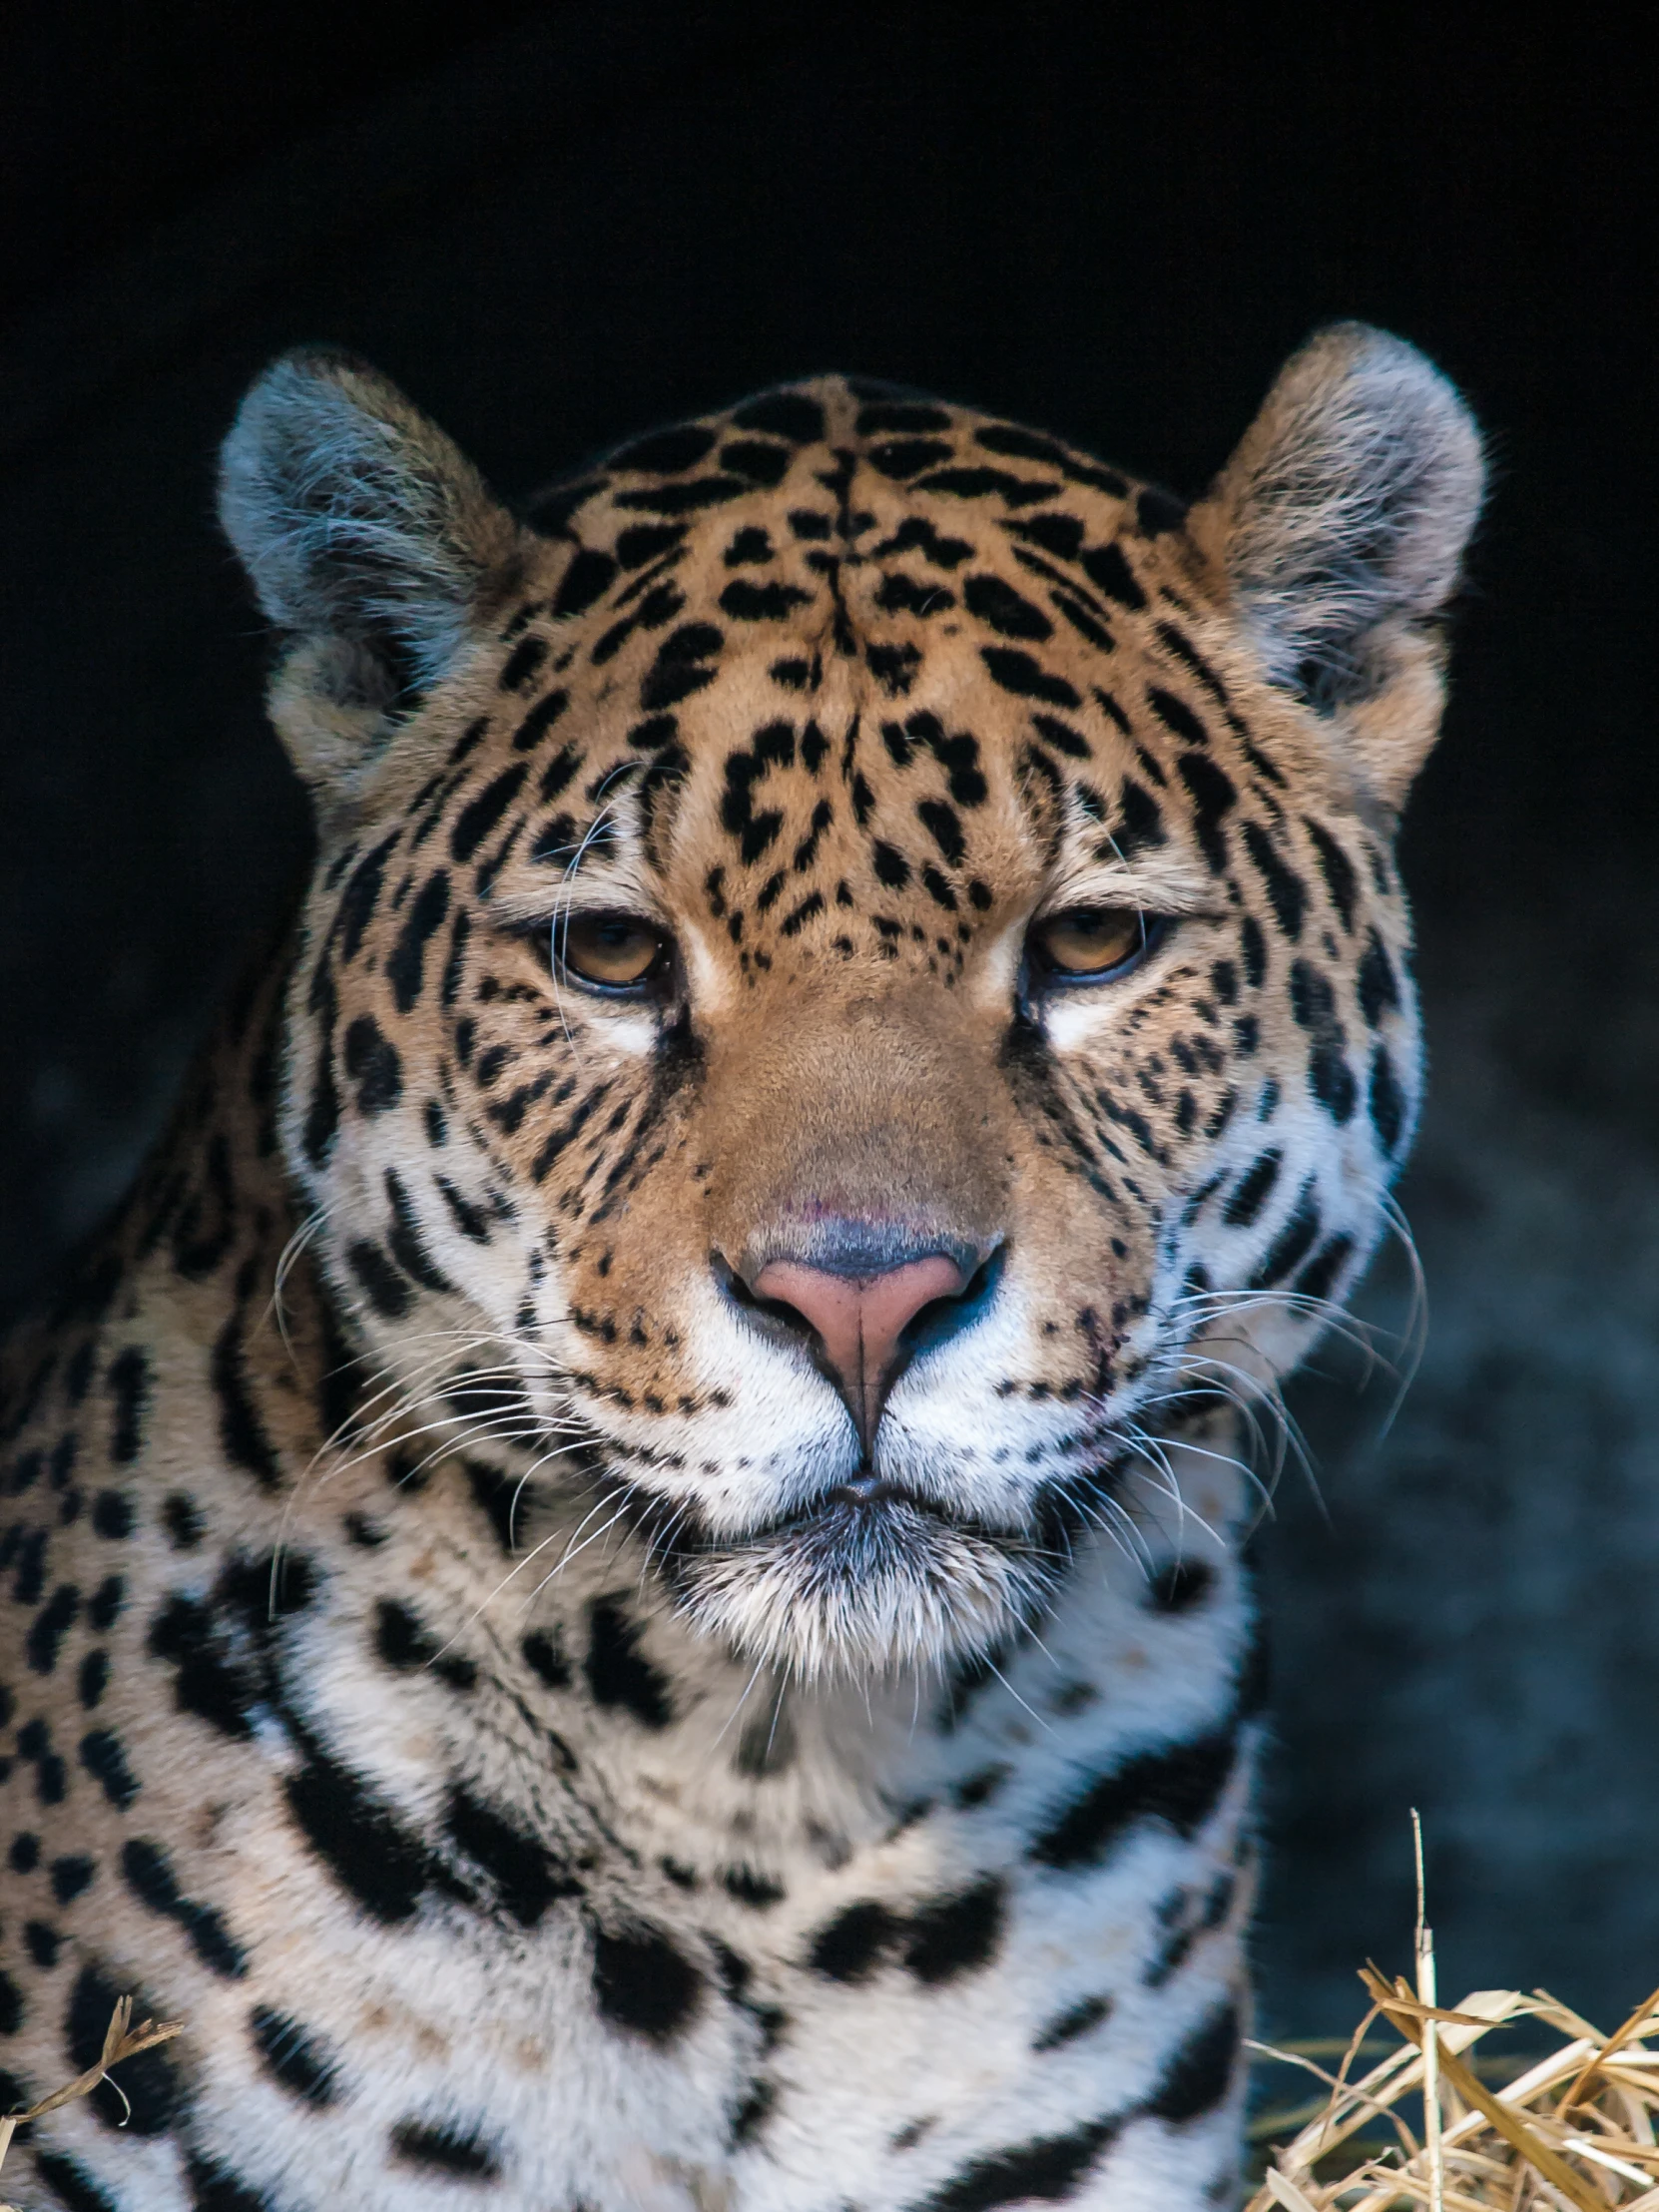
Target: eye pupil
<point x="609" y="951"/>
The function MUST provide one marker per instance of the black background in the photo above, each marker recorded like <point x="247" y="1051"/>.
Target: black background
<point x="556" y="227"/>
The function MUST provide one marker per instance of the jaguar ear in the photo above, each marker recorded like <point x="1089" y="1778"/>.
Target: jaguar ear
<point x="370" y="540"/>
<point x="1340" y="524"/>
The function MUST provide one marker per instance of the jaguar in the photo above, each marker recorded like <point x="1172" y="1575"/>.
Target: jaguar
<point x="625" y="1577"/>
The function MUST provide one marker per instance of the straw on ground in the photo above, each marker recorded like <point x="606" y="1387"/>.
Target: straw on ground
<point x="1576" y="2132"/>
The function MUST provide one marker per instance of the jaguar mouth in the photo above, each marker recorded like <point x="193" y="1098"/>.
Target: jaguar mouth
<point x="865" y="1577"/>
<point x="859" y="1502"/>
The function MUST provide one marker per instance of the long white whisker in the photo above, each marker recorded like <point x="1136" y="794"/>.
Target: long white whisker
<point x="742" y="1702"/>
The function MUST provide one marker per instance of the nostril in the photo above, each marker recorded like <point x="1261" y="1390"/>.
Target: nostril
<point x="943" y="1317"/>
<point x="742" y="1293"/>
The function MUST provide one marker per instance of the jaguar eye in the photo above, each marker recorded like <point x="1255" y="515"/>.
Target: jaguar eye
<point x="1085" y="944"/>
<point x="610" y="952"/>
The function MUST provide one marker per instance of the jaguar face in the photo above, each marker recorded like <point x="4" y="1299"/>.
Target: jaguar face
<point x="855" y="972"/>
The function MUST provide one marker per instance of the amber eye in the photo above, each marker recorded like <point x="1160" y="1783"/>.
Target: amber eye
<point x="1086" y="943"/>
<point x="610" y="952"/>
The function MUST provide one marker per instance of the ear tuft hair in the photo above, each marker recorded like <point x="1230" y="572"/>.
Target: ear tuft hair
<point x="362" y="526"/>
<point x="1344" y="514"/>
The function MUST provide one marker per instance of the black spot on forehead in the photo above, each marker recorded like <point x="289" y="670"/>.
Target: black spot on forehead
<point x="944" y="826"/>
<point x="687" y="497"/>
<point x="751" y="548"/>
<point x="1140" y="824"/>
<point x="1032" y="446"/>
<point x="901" y="458"/>
<point x="891" y="868"/>
<point x="644" y="541"/>
<point x="667" y="453"/>
<point x="916" y="534"/>
<point x="901" y="594"/>
<point x="1108" y="570"/>
<point x="522" y="663"/>
<point x="894" y="667"/>
<point x="981" y="483"/>
<point x="107" y="1600"/>
<point x="783" y="414"/>
<point x="900" y="416"/>
<point x="585" y="581"/>
<point x="679" y="668"/>
<point x="1176" y="716"/>
<point x="1004" y="609"/>
<point x="1213" y="794"/>
<point x="551" y="510"/>
<point x="1055" y="533"/>
<point x="769" y="602"/>
<point x="1062" y="737"/>
<point x="1025" y="678"/>
<point x="761" y="462"/>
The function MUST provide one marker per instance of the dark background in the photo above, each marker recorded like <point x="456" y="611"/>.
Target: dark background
<point x="556" y="227"/>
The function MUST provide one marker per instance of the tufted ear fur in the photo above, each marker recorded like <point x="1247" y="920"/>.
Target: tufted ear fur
<point x="370" y="540"/>
<point x="1339" y="525"/>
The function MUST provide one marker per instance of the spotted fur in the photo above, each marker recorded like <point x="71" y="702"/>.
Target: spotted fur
<point x="459" y="1657"/>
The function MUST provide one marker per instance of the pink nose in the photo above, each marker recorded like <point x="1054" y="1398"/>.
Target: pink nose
<point x="858" y="1319"/>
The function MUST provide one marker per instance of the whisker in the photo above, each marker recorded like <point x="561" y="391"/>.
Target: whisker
<point x="742" y="1702"/>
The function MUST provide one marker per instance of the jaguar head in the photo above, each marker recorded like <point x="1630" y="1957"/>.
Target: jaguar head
<point x="855" y="973"/>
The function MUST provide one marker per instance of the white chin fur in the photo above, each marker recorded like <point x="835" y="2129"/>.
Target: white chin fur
<point x="854" y="1594"/>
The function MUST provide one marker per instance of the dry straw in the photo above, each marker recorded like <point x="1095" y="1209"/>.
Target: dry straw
<point x="121" y="2040"/>
<point x="1573" y="2132"/>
